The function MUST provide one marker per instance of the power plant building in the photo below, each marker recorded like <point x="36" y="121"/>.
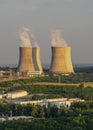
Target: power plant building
<point x="25" y="60"/>
<point x="16" y="94"/>
<point x="29" y="61"/>
<point x="61" y="60"/>
<point x="36" y="59"/>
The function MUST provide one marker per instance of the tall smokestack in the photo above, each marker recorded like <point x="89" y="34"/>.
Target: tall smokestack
<point x="36" y="59"/>
<point x="61" y="60"/>
<point x="25" y="60"/>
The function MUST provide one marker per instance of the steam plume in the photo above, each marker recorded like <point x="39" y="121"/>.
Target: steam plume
<point x="24" y="36"/>
<point x="33" y="38"/>
<point x="36" y="44"/>
<point x="57" y="39"/>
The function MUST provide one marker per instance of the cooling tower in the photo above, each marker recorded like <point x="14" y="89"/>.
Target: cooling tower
<point x="61" y="60"/>
<point x="36" y="59"/>
<point x="25" y="60"/>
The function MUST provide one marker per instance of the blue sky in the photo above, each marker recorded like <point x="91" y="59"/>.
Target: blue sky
<point x="74" y="17"/>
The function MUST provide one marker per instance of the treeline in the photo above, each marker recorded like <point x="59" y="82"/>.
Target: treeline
<point x="76" y="109"/>
<point x="84" y="69"/>
<point x="78" y="117"/>
<point x="78" y="69"/>
<point x="45" y="96"/>
<point x="53" y="91"/>
<point x="68" y="123"/>
<point x="72" y="78"/>
<point x="58" y="91"/>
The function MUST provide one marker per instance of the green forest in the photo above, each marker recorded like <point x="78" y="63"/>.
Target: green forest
<point x="78" y="117"/>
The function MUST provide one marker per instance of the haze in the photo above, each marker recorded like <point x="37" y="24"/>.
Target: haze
<point x="74" y="17"/>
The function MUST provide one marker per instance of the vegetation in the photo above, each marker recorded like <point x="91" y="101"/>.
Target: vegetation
<point x="72" y="78"/>
<point x="78" y="117"/>
<point x="76" y="109"/>
<point x="58" y="91"/>
<point x="53" y="91"/>
<point x="86" y="69"/>
<point x="76" y="123"/>
<point x="45" y="96"/>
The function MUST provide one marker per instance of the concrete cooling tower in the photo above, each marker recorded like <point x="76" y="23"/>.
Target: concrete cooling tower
<point x="61" y="60"/>
<point x="36" y="59"/>
<point x="25" y="60"/>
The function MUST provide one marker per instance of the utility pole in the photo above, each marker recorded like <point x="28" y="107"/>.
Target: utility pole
<point x="59" y="78"/>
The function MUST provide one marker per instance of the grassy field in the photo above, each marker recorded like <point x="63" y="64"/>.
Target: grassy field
<point x="57" y="84"/>
<point x="64" y="84"/>
<point x="88" y="84"/>
<point x="52" y="83"/>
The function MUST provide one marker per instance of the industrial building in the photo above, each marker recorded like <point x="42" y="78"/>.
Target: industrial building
<point x="61" y="62"/>
<point x="0" y="96"/>
<point x="5" y="74"/>
<point x="2" y="119"/>
<point x="25" y="60"/>
<point x="36" y="59"/>
<point x="29" y="61"/>
<point x="46" y="102"/>
<point x="15" y="94"/>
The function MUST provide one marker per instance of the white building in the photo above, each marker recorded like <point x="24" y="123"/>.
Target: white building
<point x="16" y="118"/>
<point x="58" y="102"/>
<point x="16" y="94"/>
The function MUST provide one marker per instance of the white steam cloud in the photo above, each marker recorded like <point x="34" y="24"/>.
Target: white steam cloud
<point x="27" y="37"/>
<point x="34" y="40"/>
<point x="57" y="38"/>
<point x="36" y="44"/>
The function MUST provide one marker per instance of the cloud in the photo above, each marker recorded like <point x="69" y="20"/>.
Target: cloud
<point x="25" y="37"/>
<point x="57" y="38"/>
